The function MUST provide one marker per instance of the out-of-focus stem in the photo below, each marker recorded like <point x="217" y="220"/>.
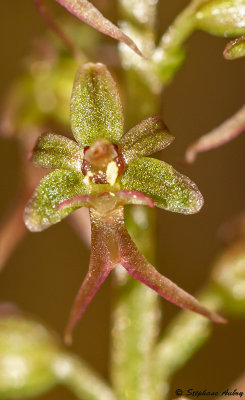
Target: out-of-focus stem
<point x="135" y="317"/>
<point x="141" y="12"/>
<point x="58" y="31"/>
<point x="136" y="311"/>
<point x="138" y="371"/>
<point x="81" y="380"/>
<point x="181" y="28"/>
<point x="186" y="334"/>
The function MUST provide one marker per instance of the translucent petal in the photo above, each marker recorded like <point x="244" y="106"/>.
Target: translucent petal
<point x="96" y="110"/>
<point x="147" y="137"/>
<point x="86" y="11"/>
<point x="137" y="266"/>
<point x="54" y="188"/>
<point x="168" y="188"/>
<point x="104" y="256"/>
<point x="55" y="151"/>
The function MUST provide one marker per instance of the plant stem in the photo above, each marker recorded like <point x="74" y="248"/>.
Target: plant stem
<point x="181" y="28"/>
<point x="138" y="371"/>
<point x="139" y="12"/>
<point x="81" y="380"/>
<point x="135" y="318"/>
<point x="136" y="312"/>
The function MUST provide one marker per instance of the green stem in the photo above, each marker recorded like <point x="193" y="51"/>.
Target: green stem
<point x="136" y="311"/>
<point x="81" y="380"/>
<point x="170" y="53"/>
<point x="135" y="317"/>
<point x="181" y="28"/>
<point x="139" y="12"/>
<point x="185" y="335"/>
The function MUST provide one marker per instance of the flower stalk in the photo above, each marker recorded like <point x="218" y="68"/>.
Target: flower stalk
<point x="135" y="317"/>
<point x="83" y="382"/>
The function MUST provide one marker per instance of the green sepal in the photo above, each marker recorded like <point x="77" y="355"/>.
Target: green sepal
<point x="147" y="137"/>
<point x="168" y="188"/>
<point x="55" y="151"/>
<point x="96" y="110"/>
<point x="56" y="187"/>
<point x="228" y="277"/>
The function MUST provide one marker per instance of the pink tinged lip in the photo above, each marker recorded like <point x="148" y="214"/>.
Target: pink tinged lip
<point x="140" y="198"/>
<point x="79" y="201"/>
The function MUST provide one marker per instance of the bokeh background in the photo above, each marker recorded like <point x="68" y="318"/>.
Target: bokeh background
<point x="45" y="271"/>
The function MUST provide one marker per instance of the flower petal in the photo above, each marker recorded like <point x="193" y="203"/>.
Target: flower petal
<point x="86" y="11"/>
<point x="104" y="256"/>
<point x="56" y="187"/>
<point x="130" y="197"/>
<point x="55" y="151"/>
<point x="137" y="266"/>
<point x="76" y="201"/>
<point x="168" y="188"/>
<point x="96" y="110"/>
<point x="224" y="133"/>
<point x="147" y="137"/>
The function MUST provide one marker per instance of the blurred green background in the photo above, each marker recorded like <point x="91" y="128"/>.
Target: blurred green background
<point x="44" y="273"/>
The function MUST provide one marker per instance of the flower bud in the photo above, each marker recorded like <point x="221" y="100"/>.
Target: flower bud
<point x="235" y="49"/>
<point x="222" y="18"/>
<point x="229" y="277"/>
<point x="27" y="354"/>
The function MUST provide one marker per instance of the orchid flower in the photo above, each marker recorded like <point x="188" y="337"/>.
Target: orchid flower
<point x="105" y="170"/>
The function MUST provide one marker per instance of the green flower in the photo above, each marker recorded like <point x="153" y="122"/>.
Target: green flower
<point x="105" y="170"/>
